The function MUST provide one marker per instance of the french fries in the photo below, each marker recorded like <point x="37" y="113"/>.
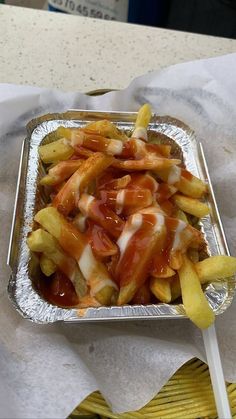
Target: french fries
<point x="97" y="211"/>
<point x="191" y="206"/>
<point x="41" y="241"/>
<point x="68" y="197"/>
<point x="60" y="172"/>
<point x="146" y="228"/>
<point x="48" y="267"/>
<point x="75" y="244"/>
<point x="145" y="164"/>
<point x="142" y="121"/>
<point x="195" y="303"/>
<point x="160" y="287"/>
<point x="210" y="269"/>
<point x="121" y="226"/>
<point x="216" y="267"/>
<point x="184" y="181"/>
<point x="56" y="151"/>
<point x="107" y="129"/>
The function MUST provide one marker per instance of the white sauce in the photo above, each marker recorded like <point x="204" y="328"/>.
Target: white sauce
<point x="85" y="202"/>
<point x="152" y="210"/>
<point x="130" y="229"/>
<point x="66" y="141"/>
<point x="87" y="262"/>
<point x="177" y="241"/>
<point x="77" y="193"/>
<point x="160" y="221"/>
<point x="96" y="277"/>
<point x="115" y="147"/>
<point x="77" y="138"/>
<point x="174" y="175"/>
<point x="120" y="199"/>
<point x="140" y="148"/>
<point x="141" y="133"/>
<point x="80" y="222"/>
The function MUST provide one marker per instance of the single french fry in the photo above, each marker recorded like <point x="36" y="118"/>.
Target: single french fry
<point x="145" y="163"/>
<point x="216" y="267"/>
<point x="191" y="186"/>
<point x="55" y="151"/>
<point x="144" y="116"/>
<point x="107" y="129"/>
<point x="42" y="241"/>
<point x="191" y="205"/>
<point x="137" y="149"/>
<point x="68" y="196"/>
<point x="61" y="171"/>
<point x="95" y="142"/>
<point x="195" y="303"/>
<point x="75" y="244"/>
<point x="160" y="287"/>
<point x="48" y="267"/>
<point x="68" y="236"/>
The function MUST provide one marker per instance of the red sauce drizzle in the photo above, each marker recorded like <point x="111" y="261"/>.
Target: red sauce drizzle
<point x="162" y="259"/>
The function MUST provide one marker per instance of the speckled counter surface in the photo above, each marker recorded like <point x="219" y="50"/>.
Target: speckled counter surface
<point x="76" y="53"/>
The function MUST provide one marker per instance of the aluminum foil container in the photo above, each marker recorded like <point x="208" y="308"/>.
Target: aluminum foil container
<point x="30" y="198"/>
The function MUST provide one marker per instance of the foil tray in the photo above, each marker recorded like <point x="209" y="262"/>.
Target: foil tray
<point x="30" y="198"/>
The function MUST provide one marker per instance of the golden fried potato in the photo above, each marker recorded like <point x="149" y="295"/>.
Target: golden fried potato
<point x="195" y="303"/>
<point x="191" y="205"/>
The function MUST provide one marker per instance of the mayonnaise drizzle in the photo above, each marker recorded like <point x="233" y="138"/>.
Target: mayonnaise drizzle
<point x="141" y="133"/>
<point x="134" y="223"/>
<point x="174" y="175"/>
<point x="160" y="221"/>
<point x="177" y="240"/>
<point x="115" y="147"/>
<point x="87" y="262"/>
<point x="120" y="199"/>
<point x="77" y="138"/>
<point x="85" y="203"/>
<point x="80" y="222"/>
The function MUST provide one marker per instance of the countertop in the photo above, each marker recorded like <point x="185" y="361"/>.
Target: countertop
<point x="77" y="53"/>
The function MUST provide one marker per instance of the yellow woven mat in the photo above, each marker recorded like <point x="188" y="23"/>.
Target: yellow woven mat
<point x="187" y="395"/>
